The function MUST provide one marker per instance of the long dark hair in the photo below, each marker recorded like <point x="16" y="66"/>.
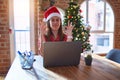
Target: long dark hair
<point x="49" y="32"/>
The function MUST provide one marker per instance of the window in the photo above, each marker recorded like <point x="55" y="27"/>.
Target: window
<point x="21" y="21"/>
<point x="99" y="15"/>
<point x="22" y="24"/>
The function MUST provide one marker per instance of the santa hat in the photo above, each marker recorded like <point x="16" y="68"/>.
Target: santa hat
<point x="52" y="11"/>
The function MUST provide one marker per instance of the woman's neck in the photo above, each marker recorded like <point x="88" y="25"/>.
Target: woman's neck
<point x="55" y="33"/>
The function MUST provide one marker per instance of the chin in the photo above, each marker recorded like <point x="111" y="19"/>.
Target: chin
<point x="55" y="29"/>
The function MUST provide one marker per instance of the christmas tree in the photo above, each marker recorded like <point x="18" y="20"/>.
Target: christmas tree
<point x="81" y="32"/>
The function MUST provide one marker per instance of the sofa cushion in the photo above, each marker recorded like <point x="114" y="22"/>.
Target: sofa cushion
<point x="114" y="55"/>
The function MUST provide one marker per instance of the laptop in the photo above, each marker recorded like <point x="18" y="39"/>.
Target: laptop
<point x="61" y="53"/>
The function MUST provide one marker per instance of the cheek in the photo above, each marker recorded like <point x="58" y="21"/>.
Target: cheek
<point x="59" y="23"/>
<point x="52" y="26"/>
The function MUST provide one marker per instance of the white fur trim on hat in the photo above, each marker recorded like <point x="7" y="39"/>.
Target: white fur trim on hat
<point x="52" y="15"/>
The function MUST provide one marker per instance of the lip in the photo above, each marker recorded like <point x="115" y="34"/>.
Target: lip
<point x="55" y="25"/>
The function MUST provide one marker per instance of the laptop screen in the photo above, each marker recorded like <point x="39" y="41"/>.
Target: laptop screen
<point x="61" y="53"/>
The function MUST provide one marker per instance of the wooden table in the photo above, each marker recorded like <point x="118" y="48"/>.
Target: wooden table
<point x="101" y="69"/>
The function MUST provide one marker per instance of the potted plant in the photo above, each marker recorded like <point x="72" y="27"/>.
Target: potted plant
<point x="88" y="58"/>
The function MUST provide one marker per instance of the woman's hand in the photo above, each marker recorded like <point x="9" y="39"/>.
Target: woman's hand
<point x="41" y="39"/>
<point x="68" y="29"/>
<point x="42" y="27"/>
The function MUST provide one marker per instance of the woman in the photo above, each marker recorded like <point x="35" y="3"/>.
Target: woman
<point x="52" y="29"/>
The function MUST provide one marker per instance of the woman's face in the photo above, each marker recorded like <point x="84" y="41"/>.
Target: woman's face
<point x="55" y="23"/>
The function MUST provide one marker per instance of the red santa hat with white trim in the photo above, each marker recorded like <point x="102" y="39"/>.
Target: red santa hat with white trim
<point x="49" y="13"/>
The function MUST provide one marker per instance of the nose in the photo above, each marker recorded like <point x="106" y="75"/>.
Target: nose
<point x="55" y="21"/>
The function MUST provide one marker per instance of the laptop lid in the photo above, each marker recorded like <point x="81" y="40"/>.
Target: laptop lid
<point x="61" y="53"/>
